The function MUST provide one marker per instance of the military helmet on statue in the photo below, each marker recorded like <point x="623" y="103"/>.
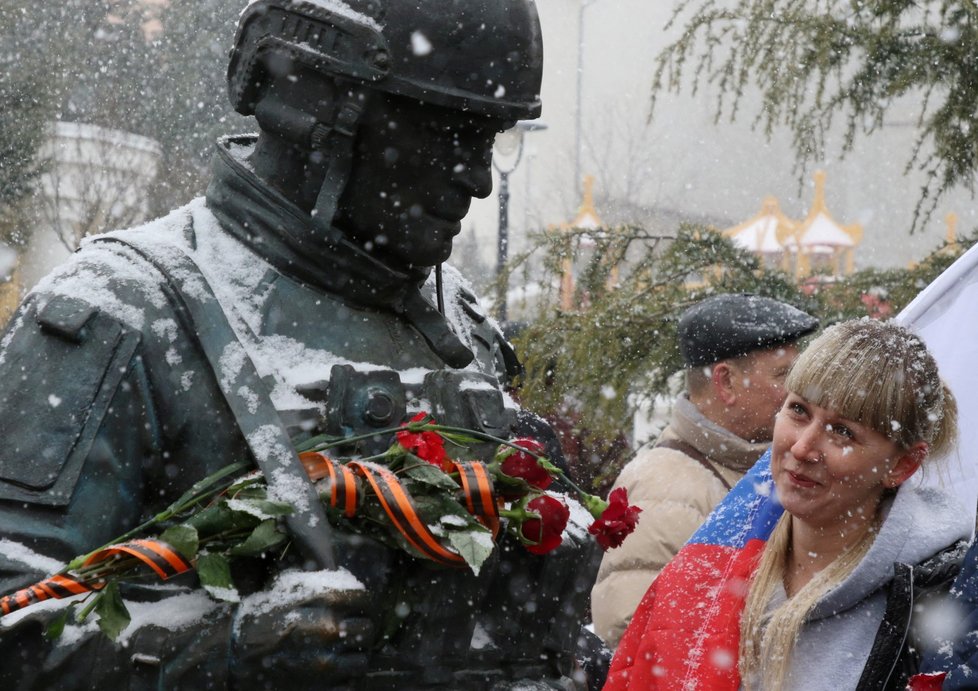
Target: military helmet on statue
<point x="481" y="57"/>
<point x="305" y="68"/>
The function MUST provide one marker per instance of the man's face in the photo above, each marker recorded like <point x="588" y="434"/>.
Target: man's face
<point x="416" y="168"/>
<point x="758" y="381"/>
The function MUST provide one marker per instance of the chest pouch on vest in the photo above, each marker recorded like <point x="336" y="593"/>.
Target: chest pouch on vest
<point x="357" y="402"/>
<point x="61" y="367"/>
<point x="468" y="399"/>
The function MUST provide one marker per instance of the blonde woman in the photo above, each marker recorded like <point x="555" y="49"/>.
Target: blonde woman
<point x="830" y="606"/>
<point x="827" y="593"/>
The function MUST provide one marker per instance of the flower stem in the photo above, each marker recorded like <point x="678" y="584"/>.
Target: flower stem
<point x="315" y="445"/>
<point x="200" y="490"/>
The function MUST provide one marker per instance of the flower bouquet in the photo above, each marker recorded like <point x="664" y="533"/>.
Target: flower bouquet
<point x="414" y="496"/>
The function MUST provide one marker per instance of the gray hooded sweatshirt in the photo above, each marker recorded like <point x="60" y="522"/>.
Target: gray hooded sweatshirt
<point x="835" y="642"/>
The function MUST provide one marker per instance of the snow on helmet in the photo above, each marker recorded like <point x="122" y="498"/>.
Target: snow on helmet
<point x="479" y="56"/>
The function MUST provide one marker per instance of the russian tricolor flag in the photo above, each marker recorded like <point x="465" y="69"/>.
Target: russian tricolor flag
<point x="686" y="631"/>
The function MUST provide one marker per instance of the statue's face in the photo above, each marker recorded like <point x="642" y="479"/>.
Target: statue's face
<point x="416" y="168"/>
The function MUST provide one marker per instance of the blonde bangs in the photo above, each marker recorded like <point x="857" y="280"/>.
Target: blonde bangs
<point x="861" y="370"/>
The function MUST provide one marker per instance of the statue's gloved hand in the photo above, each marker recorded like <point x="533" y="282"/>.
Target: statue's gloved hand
<point x="319" y="641"/>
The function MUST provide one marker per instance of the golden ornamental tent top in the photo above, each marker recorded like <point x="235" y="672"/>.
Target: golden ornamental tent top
<point x="587" y="217"/>
<point x="767" y="232"/>
<point x="819" y="231"/>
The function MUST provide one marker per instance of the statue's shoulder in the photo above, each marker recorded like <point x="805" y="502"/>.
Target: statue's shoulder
<point x="123" y="274"/>
<point x="91" y="317"/>
<point x="155" y="241"/>
<point x="62" y="358"/>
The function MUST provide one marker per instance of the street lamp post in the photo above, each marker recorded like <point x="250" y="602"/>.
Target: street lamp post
<point x="508" y="145"/>
<point x="578" y="112"/>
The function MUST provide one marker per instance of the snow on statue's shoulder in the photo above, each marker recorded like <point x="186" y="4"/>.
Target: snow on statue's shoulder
<point x="23" y="554"/>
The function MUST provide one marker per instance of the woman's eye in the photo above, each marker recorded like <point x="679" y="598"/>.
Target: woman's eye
<point x="796" y="408"/>
<point x="842" y="431"/>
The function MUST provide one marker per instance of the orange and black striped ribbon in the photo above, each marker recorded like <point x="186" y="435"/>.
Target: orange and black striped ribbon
<point x="159" y="556"/>
<point x="56" y="587"/>
<point x="344" y="486"/>
<point x="480" y="499"/>
<point x="399" y="507"/>
<point x="344" y="490"/>
<point x="316" y="464"/>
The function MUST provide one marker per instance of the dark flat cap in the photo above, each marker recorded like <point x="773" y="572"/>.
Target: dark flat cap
<point x="731" y="325"/>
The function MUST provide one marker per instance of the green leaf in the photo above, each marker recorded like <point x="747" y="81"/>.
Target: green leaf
<point x="220" y="519"/>
<point x="259" y="507"/>
<point x="473" y="545"/>
<point x="262" y="538"/>
<point x="183" y="538"/>
<point x="251" y="486"/>
<point x="56" y="626"/>
<point x="432" y="507"/>
<point x="428" y="474"/>
<point x="113" y="616"/>
<point x="214" y="572"/>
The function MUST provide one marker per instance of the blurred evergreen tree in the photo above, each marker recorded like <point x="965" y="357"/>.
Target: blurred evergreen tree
<point x="822" y="60"/>
<point x="883" y="293"/>
<point x="616" y="348"/>
<point x="27" y="92"/>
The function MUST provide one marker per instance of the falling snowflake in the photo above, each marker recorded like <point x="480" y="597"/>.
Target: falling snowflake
<point x="420" y="43"/>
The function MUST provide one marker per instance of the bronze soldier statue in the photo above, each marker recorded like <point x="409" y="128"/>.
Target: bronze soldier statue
<point x="305" y="293"/>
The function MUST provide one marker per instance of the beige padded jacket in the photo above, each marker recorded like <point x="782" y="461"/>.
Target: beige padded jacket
<point x="676" y="493"/>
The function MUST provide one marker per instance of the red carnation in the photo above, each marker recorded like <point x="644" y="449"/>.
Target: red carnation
<point x="617" y="522"/>
<point x="931" y="681"/>
<point x="426" y="445"/>
<point x="522" y="465"/>
<point x="545" y="532"/>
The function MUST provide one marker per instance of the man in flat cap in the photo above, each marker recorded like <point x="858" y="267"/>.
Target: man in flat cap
<point x="737" y="350"/>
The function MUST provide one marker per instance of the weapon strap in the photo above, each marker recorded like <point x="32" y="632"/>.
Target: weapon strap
<point x="695" y="454"/>
<point x="257" y="418"/>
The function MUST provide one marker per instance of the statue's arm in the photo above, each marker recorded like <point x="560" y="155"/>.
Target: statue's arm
<point x="99" y="434"/>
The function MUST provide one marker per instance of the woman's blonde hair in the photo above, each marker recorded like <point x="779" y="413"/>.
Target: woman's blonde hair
<point x="880" y="375"/>
<point x="767" y="640"/>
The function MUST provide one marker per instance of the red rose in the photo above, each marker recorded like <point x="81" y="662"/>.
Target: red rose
<point x="616" y="522"/>
<point x="524" y="466"/>
<point x="426" y="445"/>
<point x="544" y="533"/>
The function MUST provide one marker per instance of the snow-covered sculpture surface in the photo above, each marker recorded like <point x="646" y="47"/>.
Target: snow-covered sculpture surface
<point x="298" y="296"/>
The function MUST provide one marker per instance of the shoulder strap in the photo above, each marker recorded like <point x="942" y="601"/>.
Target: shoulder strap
<point x="695" y="454"/>
<point x="257" y="418"/>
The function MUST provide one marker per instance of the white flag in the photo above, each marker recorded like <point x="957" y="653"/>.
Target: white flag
<point x="945" y="315"/>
